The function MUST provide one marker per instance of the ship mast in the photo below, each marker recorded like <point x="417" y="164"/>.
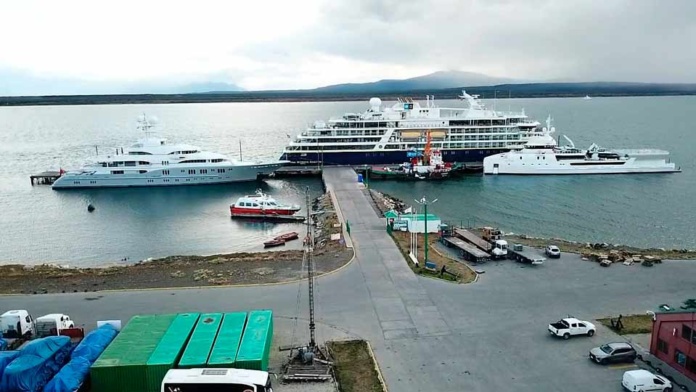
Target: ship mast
<point x="426" y="151"/>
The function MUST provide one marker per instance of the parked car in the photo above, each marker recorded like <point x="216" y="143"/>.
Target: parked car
<point x="643" y="380"/>
<point x="570" y="327"/>
<point x="552" y="251"/>
<point x="613" y="352"/>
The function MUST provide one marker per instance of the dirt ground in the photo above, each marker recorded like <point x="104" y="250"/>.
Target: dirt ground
<point x="580" y="247"/>
<point x="632" y="324"/>
<point x="355" y="368"/>
<point x="187" y="271"/>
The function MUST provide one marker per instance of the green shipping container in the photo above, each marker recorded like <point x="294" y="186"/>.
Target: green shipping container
<point x="228" y="339"/>
<point x="122" y="366"/>
<point x="201" y="342"/>
<point x="256" y="342"/>
<point x="169" y="349"/>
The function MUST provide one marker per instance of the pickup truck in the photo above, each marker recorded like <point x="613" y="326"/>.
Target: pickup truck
<point x="571" y="326"/>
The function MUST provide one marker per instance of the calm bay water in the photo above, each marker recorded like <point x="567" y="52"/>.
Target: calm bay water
<point x="42" y="225"/>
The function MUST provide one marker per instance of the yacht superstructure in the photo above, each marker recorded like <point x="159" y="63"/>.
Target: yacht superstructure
<point x="543" y="155"/>
<point x="385" y="135"/>
<point x="151" y="161"/>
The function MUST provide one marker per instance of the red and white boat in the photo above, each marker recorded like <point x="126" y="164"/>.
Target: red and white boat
<point x="261" y="204"/>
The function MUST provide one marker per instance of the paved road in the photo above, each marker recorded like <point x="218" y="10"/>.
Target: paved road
<point x="427" y="334"/>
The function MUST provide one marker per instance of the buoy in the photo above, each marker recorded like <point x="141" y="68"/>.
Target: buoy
<point x="90" y="208"/>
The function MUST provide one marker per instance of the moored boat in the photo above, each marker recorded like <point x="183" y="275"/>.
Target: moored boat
<point x="260" y="205"/>
<point x="288" y="236"/>
<point x="542" y="155"/>
<point x="152" y="161"/>
<point x="272" y="243"/>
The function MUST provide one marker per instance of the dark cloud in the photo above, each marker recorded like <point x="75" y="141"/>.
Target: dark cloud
<point x="646" y="40"/>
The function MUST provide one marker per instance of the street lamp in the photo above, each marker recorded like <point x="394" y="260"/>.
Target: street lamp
<point x="424" y="202"/>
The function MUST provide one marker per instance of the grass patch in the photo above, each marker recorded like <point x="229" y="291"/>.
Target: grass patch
<point x="355" y="369"/>
<point x="403" y="241"/>
<point x="632" y="324"/>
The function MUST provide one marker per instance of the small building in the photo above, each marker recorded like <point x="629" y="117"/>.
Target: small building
<point x="673" y="338"/>
<point x="413" y="223"/>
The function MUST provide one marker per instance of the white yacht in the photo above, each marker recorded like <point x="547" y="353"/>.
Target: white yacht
<point x="543" y="155"/>
<point x="153" y="162"/>
<point x="386" y="135"/>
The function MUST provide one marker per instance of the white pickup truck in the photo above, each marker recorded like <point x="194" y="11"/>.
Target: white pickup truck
<point x="571" y="326"/>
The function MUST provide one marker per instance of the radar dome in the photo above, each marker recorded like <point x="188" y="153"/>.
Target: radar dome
<point x="153" y="120"/>
<point x="375" y="102"/>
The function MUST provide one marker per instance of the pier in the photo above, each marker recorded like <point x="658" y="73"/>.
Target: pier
<point x="45" y="178"/>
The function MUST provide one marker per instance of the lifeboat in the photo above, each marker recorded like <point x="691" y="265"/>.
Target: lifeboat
<point x="261" y="204"/>
<point x="288" y="236"/>
<point x="273" y="243"/>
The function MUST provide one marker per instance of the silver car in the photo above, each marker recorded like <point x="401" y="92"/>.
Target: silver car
<point x="552" y="251"/>
<point x="613" y="352"/>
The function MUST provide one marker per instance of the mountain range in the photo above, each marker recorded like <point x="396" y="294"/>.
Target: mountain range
<point x="433" y="81"/>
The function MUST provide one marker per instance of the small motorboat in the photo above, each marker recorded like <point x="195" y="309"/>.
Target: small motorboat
<point x="273" y="242"/>
<point x="288" y="236"/>
<point x="260" y="205"/>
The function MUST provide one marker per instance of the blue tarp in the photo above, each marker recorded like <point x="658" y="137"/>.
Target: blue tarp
<point x="3" y="344"/>
<point x="95" y="343"/>
<point x="36" y="364"/>
<point x="72" y="375"/>
<point x="5" y="358"/>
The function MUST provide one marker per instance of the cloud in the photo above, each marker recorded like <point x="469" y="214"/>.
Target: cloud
<point x="308" y="43"/>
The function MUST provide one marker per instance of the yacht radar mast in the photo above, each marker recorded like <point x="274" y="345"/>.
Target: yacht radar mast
<point x="146" y="123"/>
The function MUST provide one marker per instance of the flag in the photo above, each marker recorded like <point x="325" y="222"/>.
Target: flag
<point x="408" y="210"/>
<point x="61" y="171"/>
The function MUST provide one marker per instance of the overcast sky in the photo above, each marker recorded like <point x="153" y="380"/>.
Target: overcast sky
<point x="73" y="46"/>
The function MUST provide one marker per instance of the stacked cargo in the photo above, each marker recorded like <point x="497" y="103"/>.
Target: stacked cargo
<point x="123" y="365"/>
<point x="229" y="336"/>
<point x="201" y="342"/>
<point x="169" y="349"/>
<point x="255" y="347"/>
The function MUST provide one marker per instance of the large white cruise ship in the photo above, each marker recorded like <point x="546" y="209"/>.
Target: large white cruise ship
<point x="153" y="162"/>
<point x="386" y="135"/>
<point x="543" y="155"/>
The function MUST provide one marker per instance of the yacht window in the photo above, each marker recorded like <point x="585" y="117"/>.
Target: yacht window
<point x="117" y="172"/>
<point x="130" y="163"/>
<point x="142" y="171"/>
<point x="254" y="205"/>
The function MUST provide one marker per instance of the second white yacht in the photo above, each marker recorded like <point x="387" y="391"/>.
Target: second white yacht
<point x="543" y="155"/>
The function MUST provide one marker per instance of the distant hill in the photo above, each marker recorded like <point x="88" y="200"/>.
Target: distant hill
<point x="521" y="90"/>
<point x="207" y="87"/>
<point x="433" y="81"/>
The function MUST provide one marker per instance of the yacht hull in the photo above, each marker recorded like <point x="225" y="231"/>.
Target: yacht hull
<point x="526" y="164"/>
<point x="95" y="179"/>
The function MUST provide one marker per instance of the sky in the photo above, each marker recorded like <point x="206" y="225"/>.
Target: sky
<point x="117" y="46"/>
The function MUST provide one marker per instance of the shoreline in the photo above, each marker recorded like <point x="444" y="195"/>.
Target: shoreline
<point x="386" y="202"/>
<point x="241" y="268"/>
<point x="575" y="90"/>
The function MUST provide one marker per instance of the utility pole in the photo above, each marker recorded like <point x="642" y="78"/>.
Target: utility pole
<point x="424" y="202"/>
<point x="309" y="247"/>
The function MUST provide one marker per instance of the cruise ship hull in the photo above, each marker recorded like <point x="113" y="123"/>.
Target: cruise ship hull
<point x="95" y="179"/>
<point x="353" y="158"/>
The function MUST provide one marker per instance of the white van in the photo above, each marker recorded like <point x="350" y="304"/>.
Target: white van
<point x="52" y="324"/>
<point x="215" y="380"/>
<point x="16" y="324"/>
<point x="644" y="381"/>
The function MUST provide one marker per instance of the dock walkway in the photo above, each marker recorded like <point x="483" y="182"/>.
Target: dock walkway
<point x="403" y="307"/>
